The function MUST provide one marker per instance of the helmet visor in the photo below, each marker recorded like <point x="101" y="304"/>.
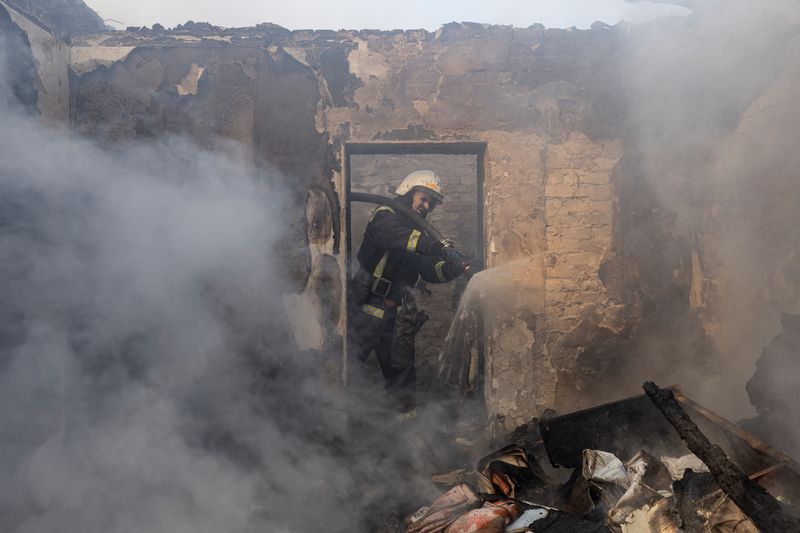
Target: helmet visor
<point x="436" y="196"/>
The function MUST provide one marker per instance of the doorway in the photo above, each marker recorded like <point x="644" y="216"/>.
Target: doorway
<point x="379" y="167"/>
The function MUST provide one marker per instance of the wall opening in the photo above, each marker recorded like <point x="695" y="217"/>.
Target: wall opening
<point x="374" y="168"/>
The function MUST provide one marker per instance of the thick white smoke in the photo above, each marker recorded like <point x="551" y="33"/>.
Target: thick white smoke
<point x="713" y="111"/>
<point x="140" y="325"/>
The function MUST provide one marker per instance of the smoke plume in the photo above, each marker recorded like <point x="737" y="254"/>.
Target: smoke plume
<point x="712" y="115"/>
<point x="141" y="335"/>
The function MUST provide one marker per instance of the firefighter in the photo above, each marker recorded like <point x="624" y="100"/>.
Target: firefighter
<point x="393" y="256"/>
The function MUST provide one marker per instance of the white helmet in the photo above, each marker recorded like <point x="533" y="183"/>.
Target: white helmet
<point x="422" y="179"/>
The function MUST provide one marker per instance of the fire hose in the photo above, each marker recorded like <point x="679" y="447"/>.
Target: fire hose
<point x="415" y="218"/>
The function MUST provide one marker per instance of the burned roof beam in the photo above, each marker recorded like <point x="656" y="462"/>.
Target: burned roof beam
<point x="752" y="499"/>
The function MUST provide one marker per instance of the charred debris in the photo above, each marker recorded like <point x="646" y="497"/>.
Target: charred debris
<point x="658" y="462"/>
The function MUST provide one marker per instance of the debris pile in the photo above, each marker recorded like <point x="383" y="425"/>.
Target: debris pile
<point x="634" y="469"/>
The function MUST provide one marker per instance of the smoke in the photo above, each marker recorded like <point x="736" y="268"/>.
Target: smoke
<point x="713" y="119"/>
<point x="142" y="334"/>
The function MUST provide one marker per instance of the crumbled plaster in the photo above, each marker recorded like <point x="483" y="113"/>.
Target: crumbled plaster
<point x="84" y="59"/>
<point x="366" y="64"/>
<point x="188" y="85"/>
<point x="372" y="69"/>
<point x="302" y="313"/>
<point x="520" y="379"/>
<point x="298" y="54"/>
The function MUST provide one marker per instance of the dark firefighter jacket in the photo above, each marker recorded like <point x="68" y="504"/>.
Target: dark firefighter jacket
<point x="393" y="255"/>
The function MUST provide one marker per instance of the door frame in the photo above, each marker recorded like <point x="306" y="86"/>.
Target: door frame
<point x="476" y="148"/>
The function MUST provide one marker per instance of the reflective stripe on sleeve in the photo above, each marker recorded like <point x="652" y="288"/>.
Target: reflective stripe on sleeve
<point x="381" y="208"/>
<point x="371" y="310"/>
<point x="439" y="272"/>
<point x="413" y="240"/>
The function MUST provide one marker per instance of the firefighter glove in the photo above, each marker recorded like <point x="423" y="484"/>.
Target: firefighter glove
<point x="454" y="261"/>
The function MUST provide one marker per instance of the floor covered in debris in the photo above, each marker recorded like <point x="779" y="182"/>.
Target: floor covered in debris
<point x="618" y="467"/>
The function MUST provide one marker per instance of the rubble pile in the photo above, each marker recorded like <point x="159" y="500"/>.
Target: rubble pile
<point x="630" y="472"/>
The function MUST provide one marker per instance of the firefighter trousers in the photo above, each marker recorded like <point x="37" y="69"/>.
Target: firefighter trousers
<point x="368" y="333"/>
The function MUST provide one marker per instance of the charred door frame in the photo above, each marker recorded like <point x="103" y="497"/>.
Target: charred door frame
<point x="476" y="148"/>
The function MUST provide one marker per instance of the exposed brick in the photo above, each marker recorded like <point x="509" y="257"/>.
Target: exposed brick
<point x="577" y="206"/>
<point x="590" y="260"/>
<point x="557" y="160"/>
<point x="577" y="234"/>
<point x="595" y="178"/>
<point x="560" y="285"/>
<point x="594" y="192"/>
<point x="562" y="177"/>
<point x="560" y="191"/>
<point x="602" y="233"/>
<point x="583" y="220"/>
<point x="603" y="164"/>
<point x="567" y="271"/>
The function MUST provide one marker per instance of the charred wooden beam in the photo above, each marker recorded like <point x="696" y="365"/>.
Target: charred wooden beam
<point x="752" y="499"/>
